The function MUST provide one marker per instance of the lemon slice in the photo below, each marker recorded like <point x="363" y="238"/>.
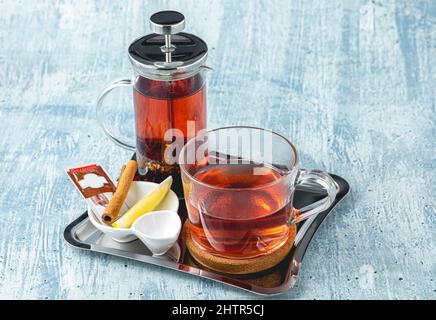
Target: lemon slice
<point x="150" y="201"/>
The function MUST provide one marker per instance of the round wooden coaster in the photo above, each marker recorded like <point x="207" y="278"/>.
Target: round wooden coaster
<point x="237" y="266"/>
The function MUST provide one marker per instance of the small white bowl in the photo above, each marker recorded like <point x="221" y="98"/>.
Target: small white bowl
<point x="158" y="230"/>
<point x="137" y="191"/>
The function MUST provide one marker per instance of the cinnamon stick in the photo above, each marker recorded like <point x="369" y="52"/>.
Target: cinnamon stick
<point x="125" y="180"/>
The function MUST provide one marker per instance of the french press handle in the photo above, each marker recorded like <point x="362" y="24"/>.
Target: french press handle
<point x="121" y="141"/>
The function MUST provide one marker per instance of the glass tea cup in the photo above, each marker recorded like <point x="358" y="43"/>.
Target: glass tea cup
<point x="239" y="184"/>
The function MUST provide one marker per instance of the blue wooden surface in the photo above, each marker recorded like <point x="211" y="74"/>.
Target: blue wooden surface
<point x="352" y="83"/>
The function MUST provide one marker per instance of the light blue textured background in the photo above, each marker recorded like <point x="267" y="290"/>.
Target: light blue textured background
<point x="352" y="83"/>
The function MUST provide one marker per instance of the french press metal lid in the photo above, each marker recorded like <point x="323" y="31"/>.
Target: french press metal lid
<point x="168" y="53"/>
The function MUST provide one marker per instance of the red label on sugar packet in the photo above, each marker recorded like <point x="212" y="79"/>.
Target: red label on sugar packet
<point x="91" y="180"/>
<point x="95" y="185"/>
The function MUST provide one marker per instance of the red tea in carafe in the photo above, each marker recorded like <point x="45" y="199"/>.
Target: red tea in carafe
<point x="164" y="105"/>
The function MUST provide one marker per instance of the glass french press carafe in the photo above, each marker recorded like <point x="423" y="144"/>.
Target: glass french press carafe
<point x="169" y="94"/>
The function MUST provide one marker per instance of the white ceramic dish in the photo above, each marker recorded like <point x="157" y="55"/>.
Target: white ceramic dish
<point x="137" y="191"/>
<point x="158" y="230"/>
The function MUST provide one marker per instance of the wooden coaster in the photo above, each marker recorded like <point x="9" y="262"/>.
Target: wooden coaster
<point x="237" y="266"/>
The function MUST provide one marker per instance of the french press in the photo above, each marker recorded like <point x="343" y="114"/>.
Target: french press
<point x="169" y="94"/>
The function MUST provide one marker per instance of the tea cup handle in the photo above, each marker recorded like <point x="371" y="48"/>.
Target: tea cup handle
<point x="122" y="142"/>
<point x="325" y="181"/>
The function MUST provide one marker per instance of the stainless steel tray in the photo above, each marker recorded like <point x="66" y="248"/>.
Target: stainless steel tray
<point x="82" y="234"/>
